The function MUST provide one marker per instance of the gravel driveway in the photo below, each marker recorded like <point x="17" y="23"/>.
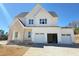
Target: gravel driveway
<point x="52" y="51"/>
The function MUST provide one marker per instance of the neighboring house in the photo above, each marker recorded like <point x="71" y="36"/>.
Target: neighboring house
<point x="39" y="26"/>
<point x="74" y="24"/>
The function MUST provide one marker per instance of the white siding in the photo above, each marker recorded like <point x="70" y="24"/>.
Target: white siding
<point x="41" y="14"/>
<point x="67" y="39"/>
<point x="45" y="30"/>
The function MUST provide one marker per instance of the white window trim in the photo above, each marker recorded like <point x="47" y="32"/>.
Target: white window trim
<point x="31" y="35"/>
<point x="43" y="21"/>
<point x="31" y="21"/>
<point x="13" y="37"/>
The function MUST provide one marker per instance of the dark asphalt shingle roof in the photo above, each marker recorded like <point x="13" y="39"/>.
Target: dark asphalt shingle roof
<point x="23" y="14"/>
<point x="53" y="13"/>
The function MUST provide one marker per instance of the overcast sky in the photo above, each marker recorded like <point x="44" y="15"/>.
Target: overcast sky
<point x="66" y="12"/>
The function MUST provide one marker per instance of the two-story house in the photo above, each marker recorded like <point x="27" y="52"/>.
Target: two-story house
<point x="40" y="26"/>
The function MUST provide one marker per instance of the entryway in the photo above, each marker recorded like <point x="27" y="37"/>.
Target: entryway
<point x="52" y="38"/>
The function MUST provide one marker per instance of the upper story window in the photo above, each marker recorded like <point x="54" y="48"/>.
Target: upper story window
<point x="30" y="21"/>
<point x="43" y="21"/>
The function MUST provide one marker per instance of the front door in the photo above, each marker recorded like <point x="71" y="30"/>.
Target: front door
<point x="52" y="38"/>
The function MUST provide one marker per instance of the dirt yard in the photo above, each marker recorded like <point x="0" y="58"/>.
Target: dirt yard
<point x="9" y="50"/>
<point x="15" y="50"/>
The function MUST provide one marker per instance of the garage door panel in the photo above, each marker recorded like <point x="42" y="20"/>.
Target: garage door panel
<point x="39" y="38"/>
<point x="66" y="39"/>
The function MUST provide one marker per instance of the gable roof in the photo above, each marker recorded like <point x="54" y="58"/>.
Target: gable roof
<point x="53" y="13"/>
<point x="23" y="14"/>
<point x="21" y="22"/>
<point x="35" y="10"/>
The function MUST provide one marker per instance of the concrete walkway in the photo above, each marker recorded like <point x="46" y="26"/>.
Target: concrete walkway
<point x="52" y="51"/>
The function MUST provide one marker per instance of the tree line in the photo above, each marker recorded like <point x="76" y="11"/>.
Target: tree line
<point x="3" y="35"/>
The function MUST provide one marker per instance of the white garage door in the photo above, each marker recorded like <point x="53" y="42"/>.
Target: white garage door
<point x="66" y="39"/>
<point x="39" y="38"/>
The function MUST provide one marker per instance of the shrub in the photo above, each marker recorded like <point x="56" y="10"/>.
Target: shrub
<point x="76" y="31"/>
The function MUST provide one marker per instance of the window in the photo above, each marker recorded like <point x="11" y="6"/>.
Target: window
<point x="30" y="21"/>
<point x="42" y="33"/>
<point x="29" y="34"/>
<point x="66" y="34"/>
<point x="63" y="34"/>
<point x="37" y="33"/>
<point x="43" y="21"/>
<point x="16" y="34"/>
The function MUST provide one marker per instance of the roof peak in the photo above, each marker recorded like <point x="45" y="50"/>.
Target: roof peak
<point x="38" y="4"/>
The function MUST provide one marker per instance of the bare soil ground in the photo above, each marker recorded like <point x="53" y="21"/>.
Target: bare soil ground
<point x="38" y="50"/>
<point x="9" y="50"/>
